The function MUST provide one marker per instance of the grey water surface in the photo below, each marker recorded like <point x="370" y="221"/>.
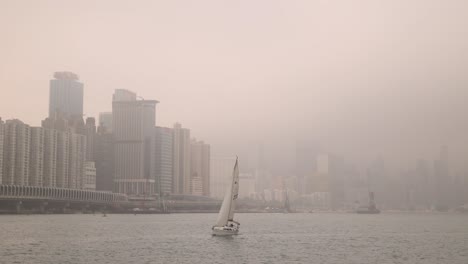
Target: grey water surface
<point x="264" y="238"/>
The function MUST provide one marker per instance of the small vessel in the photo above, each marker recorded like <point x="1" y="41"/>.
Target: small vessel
<point x="225" y="224"/>
<point x="371" y="208"/>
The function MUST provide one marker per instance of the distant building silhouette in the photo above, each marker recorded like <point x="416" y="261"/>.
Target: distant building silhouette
<point x="163" y="159"/>
<point x="220" y="169"/>
<point x="90" y="138"/>
<point x="66" y="95"/>
<point x="104" y="158"/>
<point x="200" y="167"/>
<point x="181" y="160"/>
<point x="105" y="121"/>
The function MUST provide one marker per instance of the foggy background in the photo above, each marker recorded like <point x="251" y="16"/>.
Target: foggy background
<point x="363" y="79"/>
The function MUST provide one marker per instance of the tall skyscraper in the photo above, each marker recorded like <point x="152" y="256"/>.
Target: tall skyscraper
<point x="16" y="153"/>
<point x="200" y="166"/>
<point x="104" y="159"/>
<point x="133" y="129"/>
<point x="181" y="160"/>
<point x="163" y="164"/>
<point x="90" y="138"/>
<point x="66" y="95"/>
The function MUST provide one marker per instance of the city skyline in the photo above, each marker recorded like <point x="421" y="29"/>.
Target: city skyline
<point x="217" y="131"/>
<point x="393" y="88"/>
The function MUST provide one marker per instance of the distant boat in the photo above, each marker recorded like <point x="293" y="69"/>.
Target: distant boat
<point x="371" y="208"/>
<point x="225" y="225"/>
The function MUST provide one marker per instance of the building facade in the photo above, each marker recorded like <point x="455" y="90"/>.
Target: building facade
<point x="36" y="156"/>
<point x="133" y="129"/>
<point x="105" y="121"/>
<point x="69" y="149"/>
<point x="66" y="95"/>
<point x="104" y="159"/>
<point x="196" y="185"/>
<point x="16" y="153"/>
<point x="76" y="161"/>
<point x="90" y="138"/>
<point x="163" y="163"/>
<point x="200" y="165"/>
<point x="50" y="158"/>
<point x="181" y="160"/>
<point x="62" y="173"/>
<point x="122" y="95"/>
<point x="89" y="182"/>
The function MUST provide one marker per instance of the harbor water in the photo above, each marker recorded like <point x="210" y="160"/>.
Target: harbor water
<point x="263" y="238"/>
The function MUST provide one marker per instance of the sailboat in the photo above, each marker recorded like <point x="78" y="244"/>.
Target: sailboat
<point x="225" y="224"/>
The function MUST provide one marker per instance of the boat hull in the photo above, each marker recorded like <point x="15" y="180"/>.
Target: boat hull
<point x="225" y="231"/>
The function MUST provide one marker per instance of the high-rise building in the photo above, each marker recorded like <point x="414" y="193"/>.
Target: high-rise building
<point x="163" y="164"/>
<point x="16" y="153"/>
<point x="36" y="156"/>
<point x="133" y="129"/>
<point x="200" y="165"/>
<point x="50" y="157"/>
<point x="90" y="176"/>
<point x="123" y="95"/>
<point x="105" y="121"/>
<point x="62" y="173"/>
<point x="77" y="158"/>
<point x="69" y="150"/>
<point x="327" y="179"/>
<point x="2" y="135"/>
<point x="104" y="156"/>
<point x="66" y="95"/>
<point x="220" y="170"/>
<point x="90" y="138"/>
<point x="181" y="160"/>
<point x="196" y="185"/>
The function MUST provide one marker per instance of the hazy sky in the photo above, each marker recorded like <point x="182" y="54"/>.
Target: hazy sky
<point x="363" y="78"/>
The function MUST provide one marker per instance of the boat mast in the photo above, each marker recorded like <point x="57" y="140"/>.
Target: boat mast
<point x="233" y="183"/>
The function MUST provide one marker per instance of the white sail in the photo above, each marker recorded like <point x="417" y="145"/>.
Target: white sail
<point x="225" y="213"/>
<point x="235" y="191"/>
